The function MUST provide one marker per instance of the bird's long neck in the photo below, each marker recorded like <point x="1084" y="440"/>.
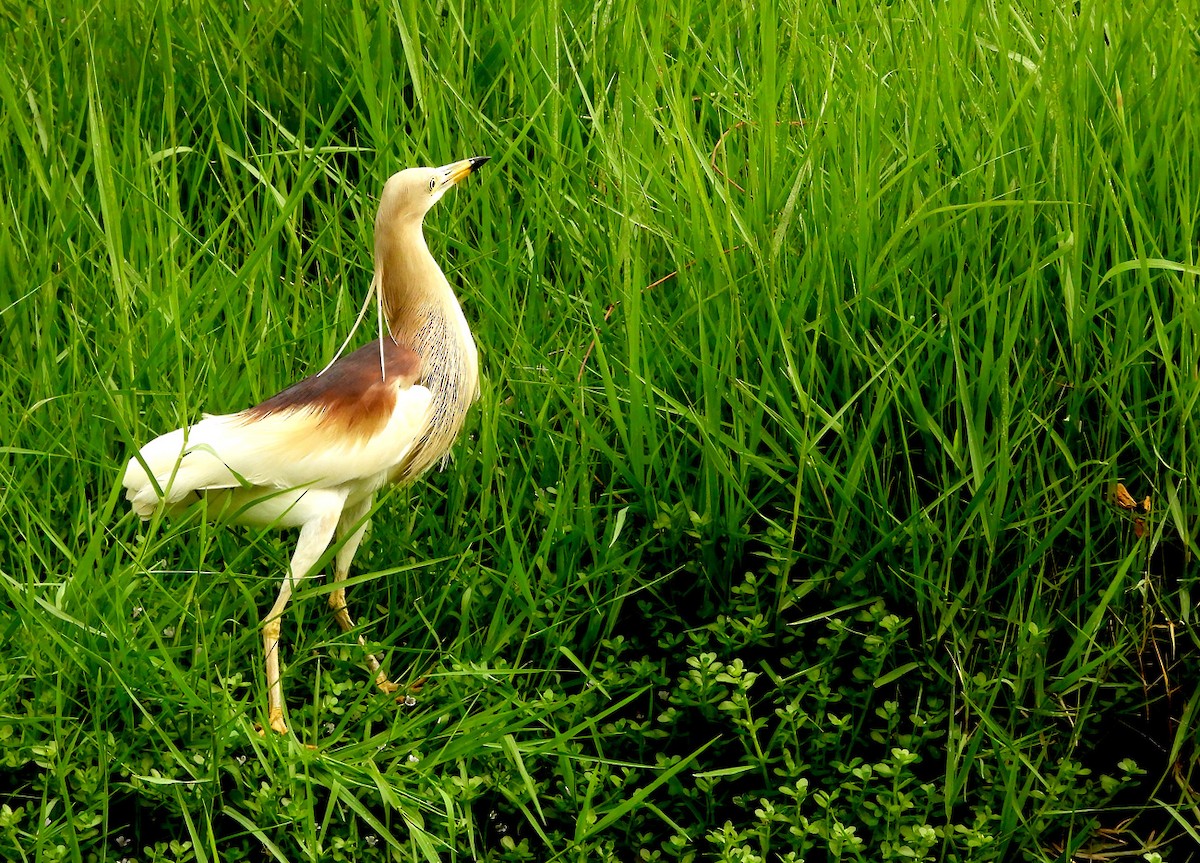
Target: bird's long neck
<point x="422" y="313"/>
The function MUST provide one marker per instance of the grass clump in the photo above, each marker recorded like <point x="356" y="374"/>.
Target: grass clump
<point x="829" y="496"/>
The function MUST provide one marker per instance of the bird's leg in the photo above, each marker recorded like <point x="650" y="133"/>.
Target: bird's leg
<point x="314" y="539"/>
<point x="271" y="651"/>
<point x="337" y="599"/>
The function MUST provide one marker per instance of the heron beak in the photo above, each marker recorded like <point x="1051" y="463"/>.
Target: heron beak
<point x="456" y="171"/>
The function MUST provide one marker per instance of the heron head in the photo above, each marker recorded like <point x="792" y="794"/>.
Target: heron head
<point x="409" y="194"/>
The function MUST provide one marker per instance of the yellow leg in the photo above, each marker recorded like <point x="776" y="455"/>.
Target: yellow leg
<point x="271" y="651"/>
<point x="313" y="540"/>
<point x="337" y="599"/>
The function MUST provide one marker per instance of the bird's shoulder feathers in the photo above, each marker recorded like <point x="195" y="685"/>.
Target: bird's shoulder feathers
<point x="355" y="396"/>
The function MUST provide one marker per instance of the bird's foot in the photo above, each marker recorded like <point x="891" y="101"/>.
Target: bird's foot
<point x="276" y="721"/>
<point x="381" y="680"/>
<point x="409" y="698"/>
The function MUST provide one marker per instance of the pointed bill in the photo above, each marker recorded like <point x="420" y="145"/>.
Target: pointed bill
<point x="456" y="171"/>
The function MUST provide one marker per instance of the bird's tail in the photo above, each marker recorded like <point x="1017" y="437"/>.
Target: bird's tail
<point x="176" y="465"/>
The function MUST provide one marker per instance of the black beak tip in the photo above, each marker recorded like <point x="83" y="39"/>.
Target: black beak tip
<point x="477" y="162"/>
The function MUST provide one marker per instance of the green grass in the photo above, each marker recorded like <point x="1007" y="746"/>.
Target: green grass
<point x="814" y="338"/>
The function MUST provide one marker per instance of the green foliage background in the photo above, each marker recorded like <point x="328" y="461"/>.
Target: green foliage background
<point x="815" y="339"/>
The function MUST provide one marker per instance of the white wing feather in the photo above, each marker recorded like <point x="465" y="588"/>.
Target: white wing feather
<point x="283" y="450"/>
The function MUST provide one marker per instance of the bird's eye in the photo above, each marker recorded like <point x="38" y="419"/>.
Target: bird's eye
<point x="432" y="183"/>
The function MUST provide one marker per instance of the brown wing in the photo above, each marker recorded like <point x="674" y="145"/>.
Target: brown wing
<point x="353" y="396"/>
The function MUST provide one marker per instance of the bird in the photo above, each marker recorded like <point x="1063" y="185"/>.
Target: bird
<point x="314" y="455"/>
